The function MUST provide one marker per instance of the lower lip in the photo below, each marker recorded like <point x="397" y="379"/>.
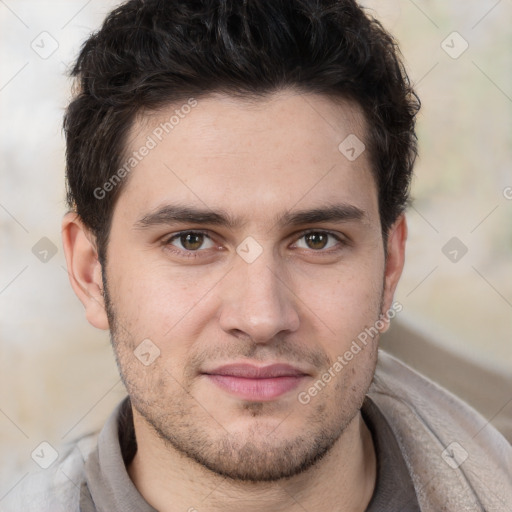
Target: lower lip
<point x="256" y="389"/>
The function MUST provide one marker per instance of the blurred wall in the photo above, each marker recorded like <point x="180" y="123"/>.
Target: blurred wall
<point x="58" y="376"/>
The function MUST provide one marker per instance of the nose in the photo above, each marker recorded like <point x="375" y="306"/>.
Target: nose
<point x="257" y="302"/>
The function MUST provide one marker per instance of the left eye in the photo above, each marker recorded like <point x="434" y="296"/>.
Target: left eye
<point x="190" y="240"/>
<point x="318" y="240"/>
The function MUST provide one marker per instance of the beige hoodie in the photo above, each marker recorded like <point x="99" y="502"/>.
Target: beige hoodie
<point x="457" y="460"/>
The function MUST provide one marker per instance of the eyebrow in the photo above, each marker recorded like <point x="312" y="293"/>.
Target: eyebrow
<point x="175" y="214"/>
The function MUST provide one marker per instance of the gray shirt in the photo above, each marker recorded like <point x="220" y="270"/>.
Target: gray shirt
<point x="411" y="418"/>
<point x="394" y="490"/>
<point x="107" y="486"/>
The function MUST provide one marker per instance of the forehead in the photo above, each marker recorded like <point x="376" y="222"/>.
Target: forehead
<point x="253" y="157"/>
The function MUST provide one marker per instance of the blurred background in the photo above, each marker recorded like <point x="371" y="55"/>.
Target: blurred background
<point x="58" y="377"/>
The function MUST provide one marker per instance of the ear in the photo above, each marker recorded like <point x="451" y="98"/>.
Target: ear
<point x="395" y="260"/>
<point x="84" y="268"/>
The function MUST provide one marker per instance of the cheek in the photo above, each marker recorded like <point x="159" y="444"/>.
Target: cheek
<point x="346" y="300"/>
<point x="153" y="301"/>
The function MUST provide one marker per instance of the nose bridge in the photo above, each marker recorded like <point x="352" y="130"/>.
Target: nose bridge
<point x="262" y="282"/>
<point x="258" y="303"/>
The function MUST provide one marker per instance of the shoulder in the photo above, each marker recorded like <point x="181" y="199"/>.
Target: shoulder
<point x="56" y="489"/>
<point x="451" y="450"/>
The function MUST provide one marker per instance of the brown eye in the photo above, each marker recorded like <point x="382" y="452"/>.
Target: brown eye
<point x="316" y="240"/>
<point x="191" y="241"/>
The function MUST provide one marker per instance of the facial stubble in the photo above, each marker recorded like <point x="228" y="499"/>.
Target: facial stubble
<point x="191" y="431"/>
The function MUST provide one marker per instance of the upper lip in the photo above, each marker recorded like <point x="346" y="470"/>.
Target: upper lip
<point x="250" y="371"/>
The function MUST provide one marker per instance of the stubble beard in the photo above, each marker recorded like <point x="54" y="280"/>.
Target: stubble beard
<point x="256" y="455"/>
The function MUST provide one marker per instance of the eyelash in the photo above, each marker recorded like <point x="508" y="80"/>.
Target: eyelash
<point x="181" y="252"/>
<point x="196" y="254"/>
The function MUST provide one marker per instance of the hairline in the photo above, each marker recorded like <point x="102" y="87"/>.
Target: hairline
<point x="141" y="119"/>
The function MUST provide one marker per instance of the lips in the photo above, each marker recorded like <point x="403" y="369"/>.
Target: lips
<point x="249" y="371"/>
<point x="256" y="383"/>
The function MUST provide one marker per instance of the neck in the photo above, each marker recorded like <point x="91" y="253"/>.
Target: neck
<point x="170" y="481"/>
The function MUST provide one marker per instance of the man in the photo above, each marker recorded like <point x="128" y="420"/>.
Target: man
<point x="238" y="174"/>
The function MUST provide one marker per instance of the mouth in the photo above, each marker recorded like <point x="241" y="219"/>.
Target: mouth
<point x="256" y="383"/>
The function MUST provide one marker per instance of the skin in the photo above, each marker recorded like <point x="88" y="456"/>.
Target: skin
<point x="301" y="301"/>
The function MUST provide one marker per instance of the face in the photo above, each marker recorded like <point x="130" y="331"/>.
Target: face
<point x="246" y="251"/>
